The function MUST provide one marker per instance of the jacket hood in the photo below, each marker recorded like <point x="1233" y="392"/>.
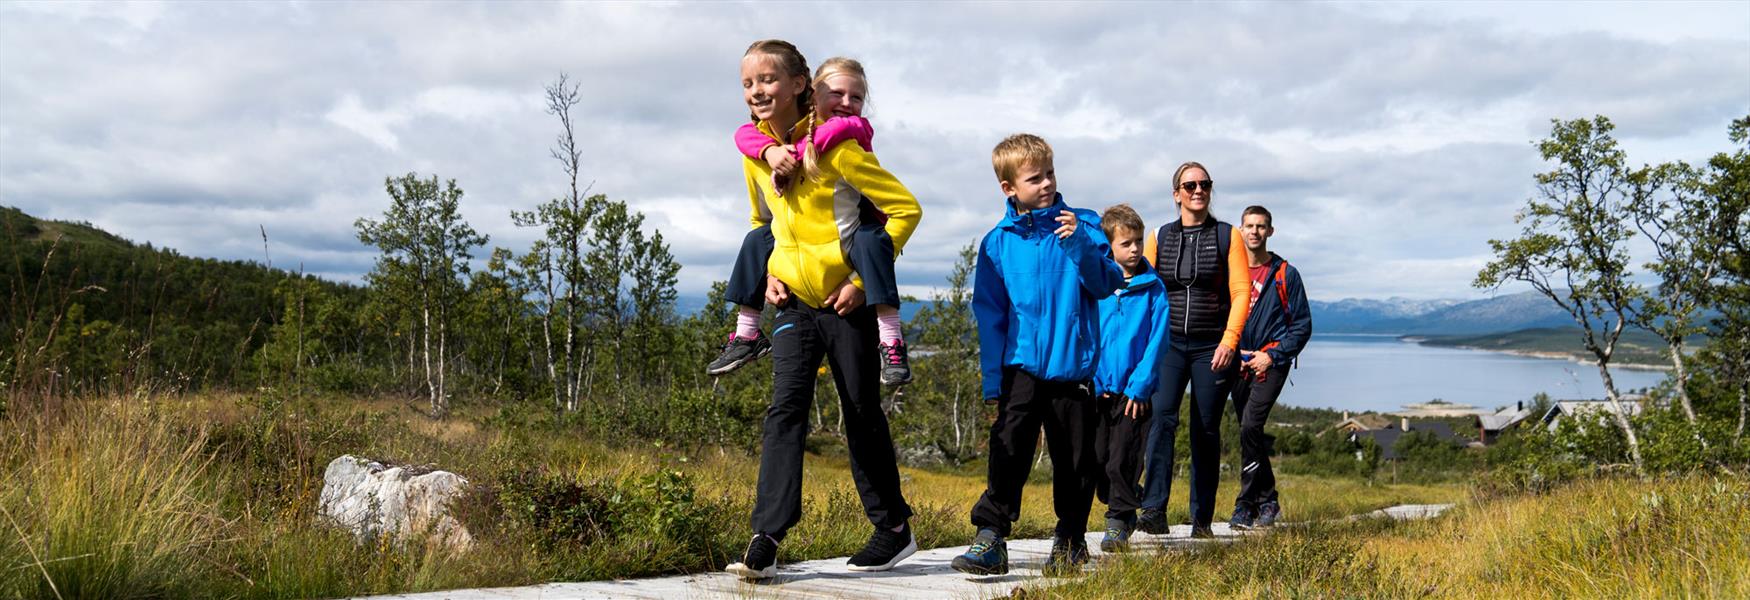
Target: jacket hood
<point x="1142" y="281"/>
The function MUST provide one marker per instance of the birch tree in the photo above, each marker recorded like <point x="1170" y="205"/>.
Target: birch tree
<point x="1572" y="248"/>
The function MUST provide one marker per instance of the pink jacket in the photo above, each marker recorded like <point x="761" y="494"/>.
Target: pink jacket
<point x="753" y="143"/>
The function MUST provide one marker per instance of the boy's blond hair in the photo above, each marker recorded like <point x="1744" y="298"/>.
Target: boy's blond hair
<point x="1017" y="150"/>
<point x="1120" y="216"/>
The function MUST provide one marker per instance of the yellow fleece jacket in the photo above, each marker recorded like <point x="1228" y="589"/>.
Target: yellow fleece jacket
<point x="1239" y="285"/>
<point x="813" y="223"/>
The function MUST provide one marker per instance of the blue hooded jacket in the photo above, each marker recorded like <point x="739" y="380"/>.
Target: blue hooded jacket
<point x="1133" y="328"/>
<point x="1035" y="296"/>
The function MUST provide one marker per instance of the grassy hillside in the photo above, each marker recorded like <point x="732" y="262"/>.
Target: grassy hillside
<point x="1636" y="347"/>
<point x="214" y="496"/>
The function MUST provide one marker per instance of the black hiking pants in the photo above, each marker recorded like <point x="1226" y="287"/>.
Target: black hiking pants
<point x="1253" y="400"/>
<point x="1064" y="410"/>
<point x="1118" y="444"/>
<point x="801" y="336"/>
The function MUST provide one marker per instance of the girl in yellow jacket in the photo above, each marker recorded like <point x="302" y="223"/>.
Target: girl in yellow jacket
<point x="821" y="315"/>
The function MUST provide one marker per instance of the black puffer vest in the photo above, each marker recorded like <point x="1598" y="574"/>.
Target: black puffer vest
<point x="1190" y="261"/>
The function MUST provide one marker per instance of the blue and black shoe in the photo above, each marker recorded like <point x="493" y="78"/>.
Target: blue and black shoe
<point x="1242" y="517"/>
<point x="989" y="555"/>
<point x="1117" y="537"/>
<point x="1268" y="513"/>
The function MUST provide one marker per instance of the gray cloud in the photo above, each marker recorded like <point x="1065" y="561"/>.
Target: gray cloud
<point x="1391" y="147"/>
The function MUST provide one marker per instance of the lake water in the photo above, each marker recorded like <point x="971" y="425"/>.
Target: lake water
<point x="1380" y="373"/>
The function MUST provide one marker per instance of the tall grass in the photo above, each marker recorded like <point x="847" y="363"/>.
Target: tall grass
<point x="109" y="507"/>
<point x="1684" y="537"/>
<point x="214" y="496"/>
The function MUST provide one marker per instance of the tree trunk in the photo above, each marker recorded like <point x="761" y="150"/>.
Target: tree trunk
<point x="425" y="335"/>
<point x="1682" y="386"/>
<point x="443" y="397"/>
<point x="1743" y="411"/>
<point x="1628" y="430"/>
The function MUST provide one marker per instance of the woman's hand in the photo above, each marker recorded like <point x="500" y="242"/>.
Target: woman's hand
<point x="776" y="292"/>
<point x="846" y="298"/>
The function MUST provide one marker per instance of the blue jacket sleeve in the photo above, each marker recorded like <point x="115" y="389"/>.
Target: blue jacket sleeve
<point x="1098" y="273"/>
<point x="990" y="307"/>
<point x="1146" y="376"/>
<point x="1300" y="313"/>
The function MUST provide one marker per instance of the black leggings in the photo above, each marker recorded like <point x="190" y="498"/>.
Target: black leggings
<point x="1186" y="361"/>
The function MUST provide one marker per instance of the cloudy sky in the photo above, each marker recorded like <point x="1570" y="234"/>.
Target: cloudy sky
<point x="1391" y="140"/>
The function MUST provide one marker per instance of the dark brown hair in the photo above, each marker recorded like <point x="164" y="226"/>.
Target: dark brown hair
<point x="1257" y="210"/>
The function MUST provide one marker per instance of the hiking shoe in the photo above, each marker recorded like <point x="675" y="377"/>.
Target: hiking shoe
<point x="1068" y="554"/>
<point x="1268" y="513"/>
<point x="1152" y="521"/>
<point x="738" y="352"/>
<point x="895" y="367"/>
<point x="885" y="549"/>
<point x="989" y="555"/>
<point x="1117" y="536"/>
<point x="1242" y="518"/>
<point x="760" y="561"/>
<point x="1202" y="532"/>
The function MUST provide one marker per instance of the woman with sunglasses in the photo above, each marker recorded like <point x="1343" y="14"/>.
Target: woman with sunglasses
<point x="1203" y="264"/>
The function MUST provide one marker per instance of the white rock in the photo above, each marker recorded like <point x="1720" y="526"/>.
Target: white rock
<point x="372" y="499"/>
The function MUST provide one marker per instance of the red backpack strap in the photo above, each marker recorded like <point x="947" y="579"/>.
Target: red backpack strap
<point x="1282" y="287"/>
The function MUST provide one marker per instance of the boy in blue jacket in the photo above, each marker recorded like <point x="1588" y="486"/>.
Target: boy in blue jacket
<point x="1133" y="326"/>
<point x="1040" y="273"/>
<point x="1277" y="329"/>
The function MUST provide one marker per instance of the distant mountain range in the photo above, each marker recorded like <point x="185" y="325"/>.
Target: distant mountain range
<point x="1400" y="316"/>
<point x="1510" y="312"/>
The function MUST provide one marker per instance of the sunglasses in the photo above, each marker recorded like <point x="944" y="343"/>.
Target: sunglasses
<point x="1191" y="186"/>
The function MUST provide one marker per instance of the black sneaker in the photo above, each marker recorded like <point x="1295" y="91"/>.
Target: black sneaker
<point x="1268" y="513"/>
<point x="738" y="352"/>
<point x="989" y="555"/>
<point x="1242" y="517"/>
<point x="1068" y="554"/>
<point x="885" y="549"/>
<point x="1117" y="537"/>
<point x="760" y="561"/>
<point x="1152" y="521"/>
<point x="1202" y="532"/>
<point x="895" y="367"/>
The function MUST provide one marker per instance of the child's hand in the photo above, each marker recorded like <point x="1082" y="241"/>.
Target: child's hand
<point x="846" y="298"/>
<point x="776" y="292"/>
<point x="1134" y="408"/>
<point x="1068" y="219"/>
<point x="783" y="162"/>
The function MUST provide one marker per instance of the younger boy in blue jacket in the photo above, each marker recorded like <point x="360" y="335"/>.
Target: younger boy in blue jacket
<point x="1040" y="273"/>
<point x="1133" y="327"/>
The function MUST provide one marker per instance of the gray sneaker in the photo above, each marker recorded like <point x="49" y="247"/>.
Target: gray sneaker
<point x="738" y="352"/>
<point x="895" y="367"/>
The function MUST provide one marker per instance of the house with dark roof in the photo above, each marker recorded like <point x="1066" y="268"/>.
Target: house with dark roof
<point x="1387" y="437"/>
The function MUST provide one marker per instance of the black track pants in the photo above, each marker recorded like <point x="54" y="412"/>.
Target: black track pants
<point x="1252" y="402"/>
<point x="1066" y="413"/>
<point x="801" y="336"/>
<point x="1118" y="443"/>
